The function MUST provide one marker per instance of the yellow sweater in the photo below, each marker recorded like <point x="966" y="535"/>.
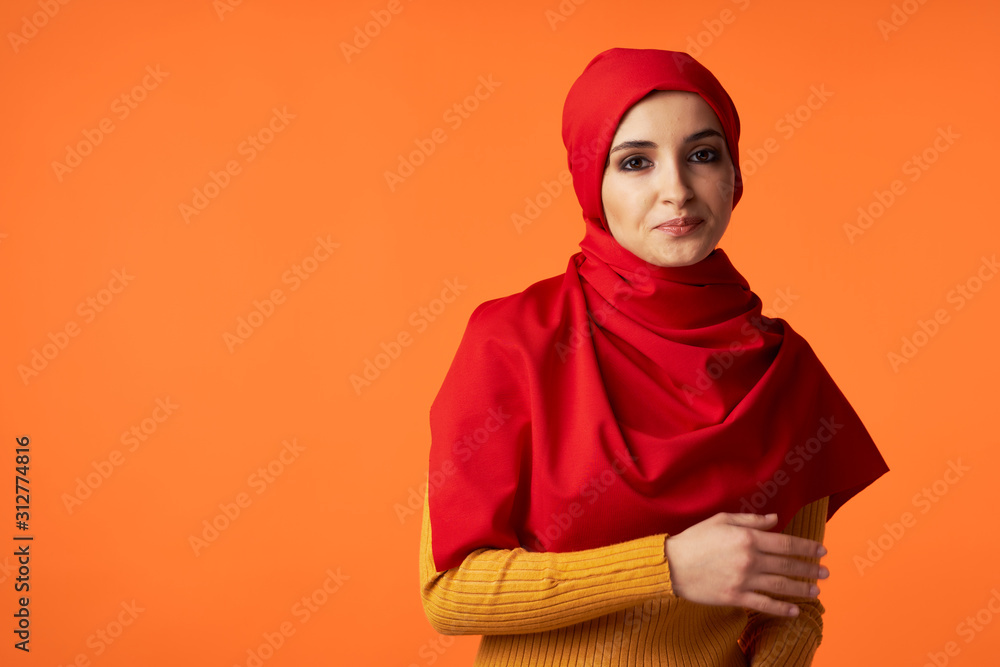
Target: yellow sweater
<point x="611" y="605"/>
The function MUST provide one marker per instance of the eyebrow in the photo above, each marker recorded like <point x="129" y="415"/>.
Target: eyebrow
<point x="650" y="144"/>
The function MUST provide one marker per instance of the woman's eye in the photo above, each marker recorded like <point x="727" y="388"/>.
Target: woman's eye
<point x="634" y="163"/>
<point x="707" y="155"/>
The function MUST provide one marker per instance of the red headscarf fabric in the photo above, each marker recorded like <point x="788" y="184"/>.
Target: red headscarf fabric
<point x="623" y="399"/>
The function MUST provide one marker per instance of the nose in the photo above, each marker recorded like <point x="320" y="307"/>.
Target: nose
<point x="673" y="183"/>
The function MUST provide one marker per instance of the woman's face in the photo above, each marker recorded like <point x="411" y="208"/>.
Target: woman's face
<point x="668" y="185"/>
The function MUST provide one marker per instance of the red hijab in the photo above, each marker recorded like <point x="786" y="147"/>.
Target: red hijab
<point x="623" y="399"/>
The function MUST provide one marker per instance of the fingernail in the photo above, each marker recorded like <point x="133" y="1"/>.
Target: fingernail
<point x="823" y="573"/>
<point x="822" y="551"/>
<point x="794" y="611"/>
<point x="814" y="590"/>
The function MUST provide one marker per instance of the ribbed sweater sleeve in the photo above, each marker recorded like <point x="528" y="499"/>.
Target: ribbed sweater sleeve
<point x="514" y="591"/>
<point x="790" y="642"/>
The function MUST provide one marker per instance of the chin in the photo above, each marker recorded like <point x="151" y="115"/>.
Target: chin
<point x="680" y="259"/>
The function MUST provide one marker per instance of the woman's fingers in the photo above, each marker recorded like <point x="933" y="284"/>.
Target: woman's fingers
<point x="789" y="545"/>
<point x="775" y="549"/>
<point x="790" y="567"/>
<point x="759" y="521"/>
<point x="767" y="605"/>
<point x="777" y="585"/>
<point x="777" y="567"/>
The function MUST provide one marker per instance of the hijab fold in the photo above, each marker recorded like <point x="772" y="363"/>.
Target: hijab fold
<point x="622" y="399"/>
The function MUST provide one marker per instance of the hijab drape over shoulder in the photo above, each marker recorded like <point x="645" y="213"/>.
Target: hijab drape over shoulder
<point x="623" y="399"/>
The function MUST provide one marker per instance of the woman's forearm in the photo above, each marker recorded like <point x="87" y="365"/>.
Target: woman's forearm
<point x="514" y="591"/>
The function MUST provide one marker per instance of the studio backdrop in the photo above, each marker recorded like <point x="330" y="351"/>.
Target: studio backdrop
<point x="240" y="241"/>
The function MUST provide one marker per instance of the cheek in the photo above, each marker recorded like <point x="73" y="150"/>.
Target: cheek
<point x="719" y="192"/>
<point x="616" y="212"/>
<point x="613" y="199"/>
<point x="627" y="198"/>
<point x="727" y="186"/>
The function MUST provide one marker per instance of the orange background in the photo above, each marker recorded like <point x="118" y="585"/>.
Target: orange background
<point x="336" y="504"/>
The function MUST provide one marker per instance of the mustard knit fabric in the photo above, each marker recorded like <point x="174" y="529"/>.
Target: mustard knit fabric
<point x="611" y="605"/>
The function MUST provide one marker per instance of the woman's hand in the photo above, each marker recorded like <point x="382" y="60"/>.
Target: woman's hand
<point x="731" y="559"/>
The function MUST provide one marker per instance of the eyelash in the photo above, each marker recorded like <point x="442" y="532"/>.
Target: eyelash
<point x="714" y="157"/>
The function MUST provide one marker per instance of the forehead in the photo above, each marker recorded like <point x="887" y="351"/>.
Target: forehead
<point x="666" y="110"/>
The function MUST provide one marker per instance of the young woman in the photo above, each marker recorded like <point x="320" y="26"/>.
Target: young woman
<point x="616" y="447"/>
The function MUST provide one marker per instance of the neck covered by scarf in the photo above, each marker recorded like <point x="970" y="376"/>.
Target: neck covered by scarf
<point x="623" y="399"/>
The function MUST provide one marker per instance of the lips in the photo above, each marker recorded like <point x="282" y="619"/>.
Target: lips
<point x="679" y="227"/>
<point x="681" y="222"/>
